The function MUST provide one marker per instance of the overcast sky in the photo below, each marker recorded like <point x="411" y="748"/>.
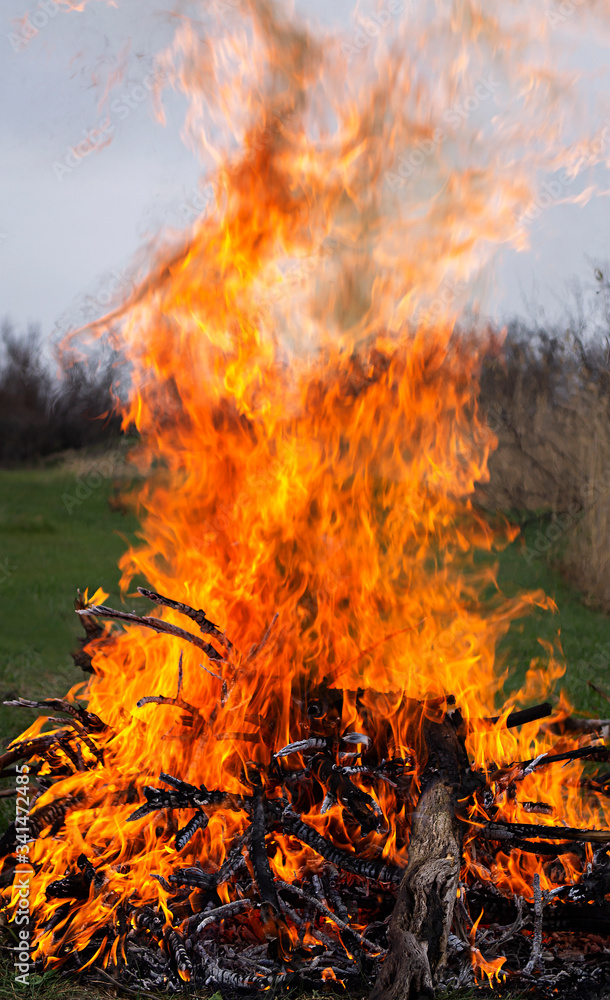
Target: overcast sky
<point x="66" y="234"/>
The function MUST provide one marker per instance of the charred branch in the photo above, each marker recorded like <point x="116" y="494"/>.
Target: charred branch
<point x="524" y="716"/>
<point x="512" y="831"/>
<point x="156" y="624"/>
<point x="346" y="860"/>
<point x="421" y="921"/>
<point x="198" y="616"/>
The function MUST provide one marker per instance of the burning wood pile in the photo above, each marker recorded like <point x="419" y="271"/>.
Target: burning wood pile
<point x="334" y="909"/>
<point x="330" y="795"/>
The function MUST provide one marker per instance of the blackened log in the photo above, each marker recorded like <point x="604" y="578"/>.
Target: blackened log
<point x="274" y="924"/>
<point x="525" y="715"/>
<point x="510" y="831"/>
<point x="199" y="879"/>
<point x="596" y="753"/>
<point x="183" y="797"/>
<point x="346" y="860"/>
<point x="70" y="887"/>
<point x="329" y="881"/>
<point x="194" y="877"/>
<point x="217" y="976"/>
<point x="53" y="814"/>
<point x="61" y="913"/>
<point x="543" y="808"/>
<point x="147" y="918"/>
<point x="314" y="743"/>
<point x="91" y="875"/>
<point x="548" y="850"/>
<point x="198" y="822"/>
<point x="421" y="920"/>
<point x="162" y="881"/>
<point x="539" y="901"/>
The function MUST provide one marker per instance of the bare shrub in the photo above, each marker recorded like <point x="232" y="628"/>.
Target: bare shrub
<point x="48" y="404"/>
<point x="547" y="397"/>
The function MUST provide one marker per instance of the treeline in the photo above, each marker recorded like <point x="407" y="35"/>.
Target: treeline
<point x="50" y="402"/>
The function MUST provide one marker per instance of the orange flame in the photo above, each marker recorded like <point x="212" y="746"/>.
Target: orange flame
<point x="482" y="966"/>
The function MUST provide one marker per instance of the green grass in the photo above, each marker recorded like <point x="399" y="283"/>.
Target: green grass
<point x="582" y="629"/>
<point x="49" y="547"/>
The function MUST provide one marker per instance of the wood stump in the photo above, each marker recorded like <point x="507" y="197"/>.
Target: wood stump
<point x="421" y="920"/>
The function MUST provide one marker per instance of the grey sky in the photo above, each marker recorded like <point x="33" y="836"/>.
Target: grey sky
<point x="65" y="237"/>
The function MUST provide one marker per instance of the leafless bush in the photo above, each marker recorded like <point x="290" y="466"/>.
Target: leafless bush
<point x="547" y="398"/>
<point x="48" y="404"/>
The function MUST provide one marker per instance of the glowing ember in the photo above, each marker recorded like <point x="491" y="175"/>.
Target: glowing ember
<point x="310" y="446"/>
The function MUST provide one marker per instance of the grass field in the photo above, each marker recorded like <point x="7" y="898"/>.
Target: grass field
<point x="50" y="545"/>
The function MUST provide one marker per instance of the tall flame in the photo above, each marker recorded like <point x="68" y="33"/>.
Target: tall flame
<point x="309" y="423"/>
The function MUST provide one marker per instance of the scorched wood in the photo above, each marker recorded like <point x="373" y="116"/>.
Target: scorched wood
<point x="421" y="920"/>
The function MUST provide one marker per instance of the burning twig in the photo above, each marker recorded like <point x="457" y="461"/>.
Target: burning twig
<point x="199" y="616"/>
<point x="258" y="647"/>
<point x="220" y="913"/>
<point x="97" y="753"/>
<point x="183" y="797"/>
<point x="341" y="924"/>
<point x="177" y="702"/>
<point x="92" y="723"/>
<point x="598" y="690"/>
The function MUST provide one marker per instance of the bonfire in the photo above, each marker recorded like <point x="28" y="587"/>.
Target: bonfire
<point x="303" y="765"/>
